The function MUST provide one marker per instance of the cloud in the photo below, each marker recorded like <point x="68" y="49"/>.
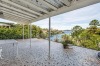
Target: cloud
<point x="67" y="23"/>
<point x="68" y="20"/>
<point x="74" y="19"/>
<point x="8" y="21"/>
<point x="68" y="27"/>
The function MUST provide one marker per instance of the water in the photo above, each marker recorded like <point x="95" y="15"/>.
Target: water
<point x="59" y="36"/>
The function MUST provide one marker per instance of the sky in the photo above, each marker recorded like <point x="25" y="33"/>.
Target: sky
<point x="7" y="21"/>
<point x="67" y="21"/>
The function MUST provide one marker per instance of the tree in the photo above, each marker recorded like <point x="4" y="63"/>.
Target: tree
<point x="76" y="28"/>
<point x="89" y="37"/>
<point x="76" y="31"/>
<point x="93" y="26"/>
<point x="15" y="32"/>
<point x="92" y="29"/>
<point x="94" y="23"/>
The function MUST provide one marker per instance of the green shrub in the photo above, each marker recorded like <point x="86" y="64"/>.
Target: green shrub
<point x="15" y="32"/>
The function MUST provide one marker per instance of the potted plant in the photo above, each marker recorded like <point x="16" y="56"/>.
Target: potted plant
<point x="65" y="44"/>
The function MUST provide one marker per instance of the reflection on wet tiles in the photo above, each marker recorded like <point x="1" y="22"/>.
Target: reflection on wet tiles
<point x="22" y="55"/>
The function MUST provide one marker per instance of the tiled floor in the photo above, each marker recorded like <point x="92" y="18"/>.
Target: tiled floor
<point x="22" y="54"/>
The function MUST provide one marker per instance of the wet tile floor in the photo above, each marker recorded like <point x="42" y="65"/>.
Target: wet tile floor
<point x="22" y="54"/>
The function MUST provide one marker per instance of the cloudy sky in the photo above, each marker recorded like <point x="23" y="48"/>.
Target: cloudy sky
<point x="67" y="20"/>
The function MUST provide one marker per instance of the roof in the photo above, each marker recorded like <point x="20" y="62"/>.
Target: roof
<point x="28" y="11"/>
<point x="6" y="24"/>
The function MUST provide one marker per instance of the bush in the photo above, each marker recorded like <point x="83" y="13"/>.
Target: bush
<point x="65" y="44"/>
<point x="15" y="32"/>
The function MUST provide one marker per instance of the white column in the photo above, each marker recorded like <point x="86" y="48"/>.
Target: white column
<point x="28" y="31"/>
<point x="49" y="35"/>
<point x="30" y="34"/>
<point x="23" y="31"/>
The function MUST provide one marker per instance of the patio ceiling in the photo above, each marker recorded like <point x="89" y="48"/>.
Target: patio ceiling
<point x="28" y="11"/>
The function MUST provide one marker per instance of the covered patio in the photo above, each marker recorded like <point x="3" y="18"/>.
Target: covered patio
<point x="29" y="11"/>
<point x="20" y="54"/>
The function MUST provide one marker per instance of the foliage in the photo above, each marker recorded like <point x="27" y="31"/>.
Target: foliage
<point x="66" y="39"/>
<point x="89" y="37"/>
<point x="76" y="31"/>
<point x="94" y="23"/>
<point x="16" y="31"/>
<point x="53" y="31"/>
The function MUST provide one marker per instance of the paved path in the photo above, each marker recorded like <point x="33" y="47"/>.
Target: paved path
<point x="22" y="54"/>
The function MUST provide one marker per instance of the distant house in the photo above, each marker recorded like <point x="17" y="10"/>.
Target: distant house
<point x="7" y="25"/>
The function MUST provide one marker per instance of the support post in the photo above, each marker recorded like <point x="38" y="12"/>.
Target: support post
<point x="28" y="31"/>
<point x="30" y="34"/>
<point x="23" y="31"/>
<point x="49" y="35"/>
